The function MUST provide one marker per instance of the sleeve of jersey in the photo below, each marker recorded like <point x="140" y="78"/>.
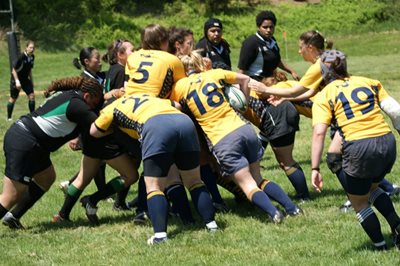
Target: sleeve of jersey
<point x="321" y="112"/>
<point x="79" y="112"/>
<point x="382" y="93"/>
<point x="105" y="119"/>
<point x="179" y="70"/>
<point x="312" y="78"/>
<point x="248" y="54"/>
<point x="229" y="76"/>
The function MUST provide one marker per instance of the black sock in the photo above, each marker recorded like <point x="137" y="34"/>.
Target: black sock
<point x="275" y="192"/>
<point x="3" y="211"/>
<point x="100" y="177"/>
<point x="210" y="181"/>
<point x="178" y="197"/>
<point x="370" y="223"/>
<point x="115" y="185"/>
<point x="10" y="108"/>
<point x="71" y="198"/>
<point x="386" y="186"/>
<point x="31" y="105"/>
<point x="384" y="205"/>
<point x="34" y="194"/>
<point x="120" y="199"/>
<point x="298" y="180"/>
<point x="142" y="196"/>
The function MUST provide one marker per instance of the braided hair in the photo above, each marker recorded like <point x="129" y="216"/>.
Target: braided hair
<point x="83" y="84"/>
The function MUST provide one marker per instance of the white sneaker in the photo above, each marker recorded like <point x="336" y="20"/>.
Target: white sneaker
<point x="156" y="240"/>
<point x="64" y="186"/>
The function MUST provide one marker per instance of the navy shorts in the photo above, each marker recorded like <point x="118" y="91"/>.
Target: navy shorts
<point x="368" y="160"/>
<point x="26" y="85"/>
<point x="24" y="155"/>
<point x="238" y="149"/>
<point x="173" y="138"/>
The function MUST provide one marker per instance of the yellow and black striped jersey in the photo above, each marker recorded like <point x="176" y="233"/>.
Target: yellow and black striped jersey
<point x="153" y="72"/>
<point x="202" y="93"/>
<point x="354" y="104"/>
<point x="131" y="112"/>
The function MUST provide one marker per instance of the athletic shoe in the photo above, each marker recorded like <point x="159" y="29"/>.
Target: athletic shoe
<point x="346" y="207"/>
<point x="12" y="222"/>
<point x="57" y="218"/>
<point x="278" y="217"/>
<point x="396" y="236"/>
<point x="90" y="210"/>
<point x="395" y="192"/>
<point x="212" y="227"/>
<point x="63" y="186"/>
<point x="220" y="207"/>
<point x="303" y="200"/>
<point x="140" y="218"/>
<point x="155" y="240"/>
<point x="121" y="207"/>
<point x="296" y="212"/>
<point x="133" y="203"/>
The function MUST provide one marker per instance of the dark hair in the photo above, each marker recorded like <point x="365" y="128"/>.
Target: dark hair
<point x="83" y="84"/>
<point x="265" y="15"/>
<point x="153" y="36"/>
<point x="212" y="22"/>
<point x="113" y="50"/>
<point x="85" y="53"/>
<point x="177" y="35"/>
<point x="316" y="39"/>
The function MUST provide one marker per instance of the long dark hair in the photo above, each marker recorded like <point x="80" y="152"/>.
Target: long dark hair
<point x="83" y="84"/>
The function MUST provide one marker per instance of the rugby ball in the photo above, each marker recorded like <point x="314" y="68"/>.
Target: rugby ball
<point x="236" y="98"/>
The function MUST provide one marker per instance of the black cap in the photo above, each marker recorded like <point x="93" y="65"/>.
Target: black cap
<point x="212" y="22"/>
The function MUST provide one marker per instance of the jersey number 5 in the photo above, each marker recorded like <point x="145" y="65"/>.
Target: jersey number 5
<point x="143" y="71"/>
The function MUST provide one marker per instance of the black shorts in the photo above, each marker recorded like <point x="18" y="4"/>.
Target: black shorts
<point x="26" y="85"/>
<point x="278" y="121"/>
<point x="105" y="148"/>
<point x="24" y="155"/>
<point x="128" y="144"/>
<point x="370" y="158"/>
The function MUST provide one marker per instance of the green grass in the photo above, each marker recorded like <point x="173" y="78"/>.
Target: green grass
<point x="323" y="236"/>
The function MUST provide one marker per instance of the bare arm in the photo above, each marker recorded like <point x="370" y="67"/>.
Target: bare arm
<point x="243" y="80"/>
<point x="95" y="132"/>
<point x="264" y="91"/>
<point x="15" y="75"/>
<point x="317" y="147"/>
<point x="303" y="97"/>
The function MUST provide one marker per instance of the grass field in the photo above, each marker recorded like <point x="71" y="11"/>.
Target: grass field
<point x="323" y="236"/>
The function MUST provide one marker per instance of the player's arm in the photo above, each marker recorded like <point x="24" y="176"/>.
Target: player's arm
<point x="243" y="81"/>
<point x="264" y="92"/>
<point x="392" y="108"/>
<point x="317" y="147"/>
<point x="15" y="75"/>
<point x="102" y="125"/>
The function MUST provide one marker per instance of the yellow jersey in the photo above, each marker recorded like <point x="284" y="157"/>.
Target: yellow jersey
<point x="202" y="93"/>
<point x="353" y="104"/>
<point x="152" y="72"/>
<point x="131" y="112"/>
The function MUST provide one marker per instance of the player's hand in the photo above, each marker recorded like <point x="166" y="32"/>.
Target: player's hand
<point x="295" y="76"/>
<point x="275" y="100"/>
<point x="75" y="144"/>
<point x="317" y="180"/>
<point x="18" y="84"/>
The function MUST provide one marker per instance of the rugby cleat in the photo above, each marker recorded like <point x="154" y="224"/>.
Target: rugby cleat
<point x="278" y="217"/>
<point x="57" y="218"/>
<point x="298" y="211"/>
<point x="395" y="192"/>
<point x="12" y="222"/>
<point x="346" y="207"/>
<point x="140" y="218"/>
<point x="212" y="227"/>
<point x="90" y="210"/>
<point x="121" y="206"/>
<point x="156" y="240"/>
<point x="221" y="207"/>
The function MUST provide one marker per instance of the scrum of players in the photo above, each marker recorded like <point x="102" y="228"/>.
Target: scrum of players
<point x="164" y="106"/>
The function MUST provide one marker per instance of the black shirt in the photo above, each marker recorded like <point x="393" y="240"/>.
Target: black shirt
<point x="219" y="54"/>
<point x="23" y="66"/>
<point x="259" y="56"/>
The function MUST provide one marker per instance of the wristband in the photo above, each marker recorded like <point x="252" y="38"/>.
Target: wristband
<point x="315" y="168"/>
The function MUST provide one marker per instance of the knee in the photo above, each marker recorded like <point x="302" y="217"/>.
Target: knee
<point x="334" y="161"/>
